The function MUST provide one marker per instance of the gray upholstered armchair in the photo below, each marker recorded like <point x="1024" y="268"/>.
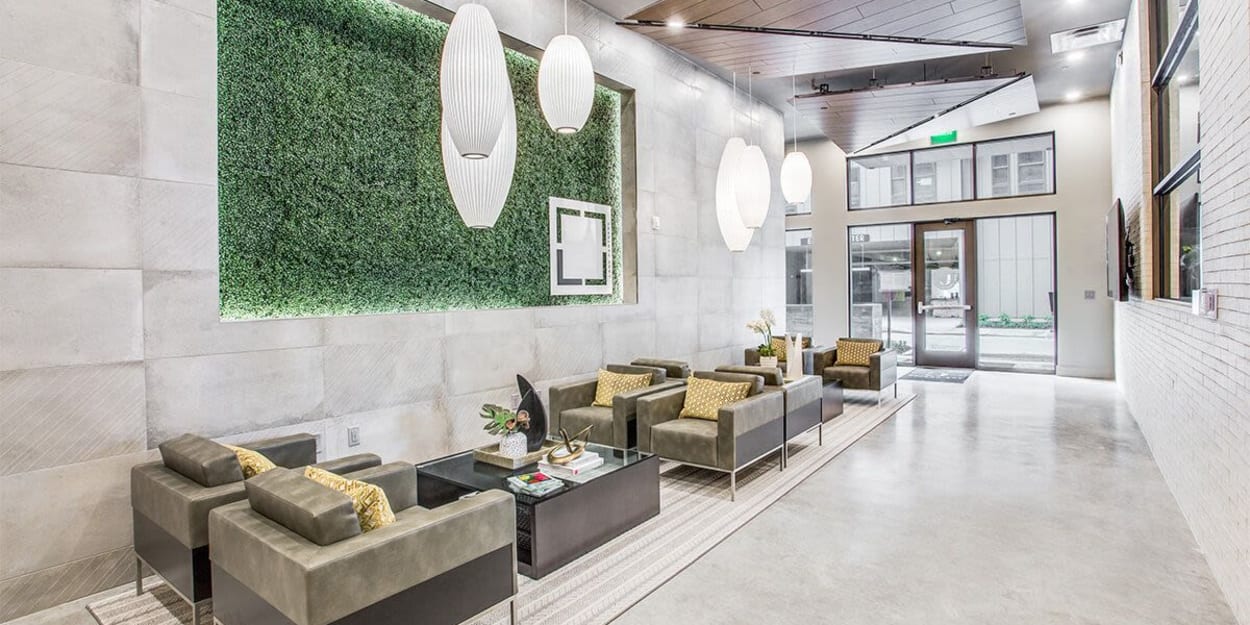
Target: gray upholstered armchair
<point x="745" y="431"/>
<point x="881" y="372"/>
<point x="674" y="369"/>
<point x="572" y="407"/>
<point x="293" y="554"/>
<point x="171" y="499"/>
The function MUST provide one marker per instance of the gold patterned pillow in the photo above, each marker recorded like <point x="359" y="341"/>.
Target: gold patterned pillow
<point x="253" y="462"/>
<point x="704" y="398"/>
<point x="612" y="384"/>
<point x="779" y="346"/>
<point x="372" y="507"/>
<point x="857" y="353"/>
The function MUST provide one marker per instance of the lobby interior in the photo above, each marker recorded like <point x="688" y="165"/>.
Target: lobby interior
<point x="576" y="312"/>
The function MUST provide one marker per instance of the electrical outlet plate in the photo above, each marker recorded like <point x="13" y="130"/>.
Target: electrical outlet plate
<point x="353" y="436"/>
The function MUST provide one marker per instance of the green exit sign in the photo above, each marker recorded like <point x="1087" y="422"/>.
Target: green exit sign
<point x="946" y="137"/>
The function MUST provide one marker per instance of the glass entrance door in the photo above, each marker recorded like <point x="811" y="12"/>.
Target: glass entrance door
<point x="945" y="280"/>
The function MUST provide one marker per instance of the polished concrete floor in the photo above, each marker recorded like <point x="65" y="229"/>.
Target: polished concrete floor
<point x="1008" y="499"/>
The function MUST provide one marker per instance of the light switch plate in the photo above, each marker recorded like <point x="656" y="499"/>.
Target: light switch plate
<point x="353" y="436"/>
<point x="655" y="222"/>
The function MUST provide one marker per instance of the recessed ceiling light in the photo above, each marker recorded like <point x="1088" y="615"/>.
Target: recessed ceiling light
<point x="675" y="23"/>
<point x="1072" y="96"/>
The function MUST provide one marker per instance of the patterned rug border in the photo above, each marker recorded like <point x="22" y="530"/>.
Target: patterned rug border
<point x="696" y="516"/>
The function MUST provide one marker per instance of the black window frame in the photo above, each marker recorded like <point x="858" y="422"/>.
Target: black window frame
<point x="911" y="169"/>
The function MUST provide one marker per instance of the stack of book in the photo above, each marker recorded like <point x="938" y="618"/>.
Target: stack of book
<point x="535" y="484"/>
<point x="582" y="464"/>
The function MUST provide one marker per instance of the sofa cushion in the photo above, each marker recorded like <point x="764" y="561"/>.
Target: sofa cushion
<point x="201" y="460"/>
<point x="704" y="397"/>
<point x="575" y="420"/>
<point x="851" y="377"/>
<point x="612" y="384"/>
<point x="373" y="508"/>
<point x="686" y="440"/>
<point x="856" y="353"/>
<point x="398" y="479"/>
<point x="321" y="515"/>
<point x="253" y="463"/>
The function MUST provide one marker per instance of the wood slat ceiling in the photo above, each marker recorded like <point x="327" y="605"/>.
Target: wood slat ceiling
<point x="858" y="119"/>
<point x="775" y="55"/>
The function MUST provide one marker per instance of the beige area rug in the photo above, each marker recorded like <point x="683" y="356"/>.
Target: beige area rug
<point x="695" y="515"/>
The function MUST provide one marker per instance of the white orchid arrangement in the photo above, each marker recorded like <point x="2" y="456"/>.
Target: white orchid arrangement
<point x="764" y="327"/>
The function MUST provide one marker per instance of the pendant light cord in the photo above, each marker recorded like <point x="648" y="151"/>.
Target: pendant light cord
<point x="794" y="107"/>
<point x="566" y="17"/>
<point x="750" y="101"/>
<point x="733" y="109"/>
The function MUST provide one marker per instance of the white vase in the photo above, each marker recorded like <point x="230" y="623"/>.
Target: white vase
<point x="768" y="361"/>
<point x="513" y="445"/>
<point x="794" y="357"/>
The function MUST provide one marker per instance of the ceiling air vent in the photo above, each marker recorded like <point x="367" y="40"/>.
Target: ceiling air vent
<point x="1086" y="36"/>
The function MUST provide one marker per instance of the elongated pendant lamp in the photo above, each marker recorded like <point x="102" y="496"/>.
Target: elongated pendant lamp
<point x="796" y="171"/>
<point x="479" y="187"/>
<point x="473" y="82"/>
<point x="566" y="82"/>
<point x="754" y="184"/>
<point x="737" y="236"/>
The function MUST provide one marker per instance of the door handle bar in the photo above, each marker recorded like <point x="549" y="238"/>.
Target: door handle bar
<point x="921" y="307"/>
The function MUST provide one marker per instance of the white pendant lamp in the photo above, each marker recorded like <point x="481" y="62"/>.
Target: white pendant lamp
<point x="473" y="82"/>
<point x="480" y="186"/>
<point x="566" y="82"/>
<point x="754" y="184"/>
<point x="737" y="236"/>
<point x="796" y="171"/>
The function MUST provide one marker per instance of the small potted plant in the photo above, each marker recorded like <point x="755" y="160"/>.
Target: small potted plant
<point x="764" y="327"/>
<point x="509" y="426"/>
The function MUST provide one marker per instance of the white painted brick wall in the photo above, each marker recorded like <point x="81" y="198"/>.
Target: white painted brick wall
<point x="1187" y="379"/>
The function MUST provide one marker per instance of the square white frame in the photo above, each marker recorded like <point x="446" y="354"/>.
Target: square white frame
<point x="574" y="286"/>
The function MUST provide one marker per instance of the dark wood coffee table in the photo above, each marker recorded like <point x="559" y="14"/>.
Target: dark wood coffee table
<point x="559" y="527"/>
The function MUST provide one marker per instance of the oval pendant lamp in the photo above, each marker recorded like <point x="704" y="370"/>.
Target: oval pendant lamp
<point x="796" y="171"/>
<point x="754" y="184"/>
<point x="473" y="82"/>
<point x="736" y="235"/>
<point x="479" y="187"/>
<point x="566" y="82"/>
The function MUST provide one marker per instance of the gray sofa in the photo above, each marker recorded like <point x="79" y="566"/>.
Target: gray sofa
<point x="293" y="554"/>
<point x="572" y="407"/>
<point x="881" y="372"/>
<point x="745" y="431"/>
<point x="171" y="499"/>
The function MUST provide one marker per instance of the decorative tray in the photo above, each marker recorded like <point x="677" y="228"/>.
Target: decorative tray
<point x="490" y="455"/>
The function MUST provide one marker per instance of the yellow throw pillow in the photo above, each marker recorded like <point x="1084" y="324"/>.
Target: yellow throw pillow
<point x="779" y="348"/>
<point x="253" y="462"/>
<point x="704" y="398"/>
<point x="857" y="353"/>
<point x="372" y="507"/>
<point x="612" y="384"/>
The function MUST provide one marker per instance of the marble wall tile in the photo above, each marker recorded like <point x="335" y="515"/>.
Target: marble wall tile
<point x="224" y="394"/>
<point x="676" y="297"/>
<point x="89" y="515"/>
<point x="626" y="340"/>
<point x="715" y="295"/>
<point x="51" y="317"/>
<point x="105" y="36"/>
<point x="568" y="350"/>
<point x="179" y="138"/>
<point x="715" y="331"/>
<point x="676" y="256"/>
<point x="56" y="416"/>
<point x="384" y="328"/>
<point x="62" y="120"/>
<point x="52" y="586"/>
<point x="379" y="375"/>
<point x="411" y="432"/>
<point x="181" y="318"/>
<point x="488" y="360"/>
<point x="51" y="218"/>
<point x="178" y="52"/>
<point x="677" y="335"/>
<point x="179" y="225"/>
<point x="463" y="420"/>
<point x="207" y="8"/>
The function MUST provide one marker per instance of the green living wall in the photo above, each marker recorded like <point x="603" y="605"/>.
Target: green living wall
<point x="332" y="197"/>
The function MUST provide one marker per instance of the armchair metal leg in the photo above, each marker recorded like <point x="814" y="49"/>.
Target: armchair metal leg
<point x="195" y="614"/>
<point x="512" y="611"/>
<point x="138" y="576"/>
<point x="896" y="390"/>
<point x="733" y="486"/>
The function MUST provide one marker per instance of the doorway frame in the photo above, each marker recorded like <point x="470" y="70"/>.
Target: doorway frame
<point x="968" y="358"/>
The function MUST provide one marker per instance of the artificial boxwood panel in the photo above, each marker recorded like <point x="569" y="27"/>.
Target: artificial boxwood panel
<point x="332" y="197"/>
